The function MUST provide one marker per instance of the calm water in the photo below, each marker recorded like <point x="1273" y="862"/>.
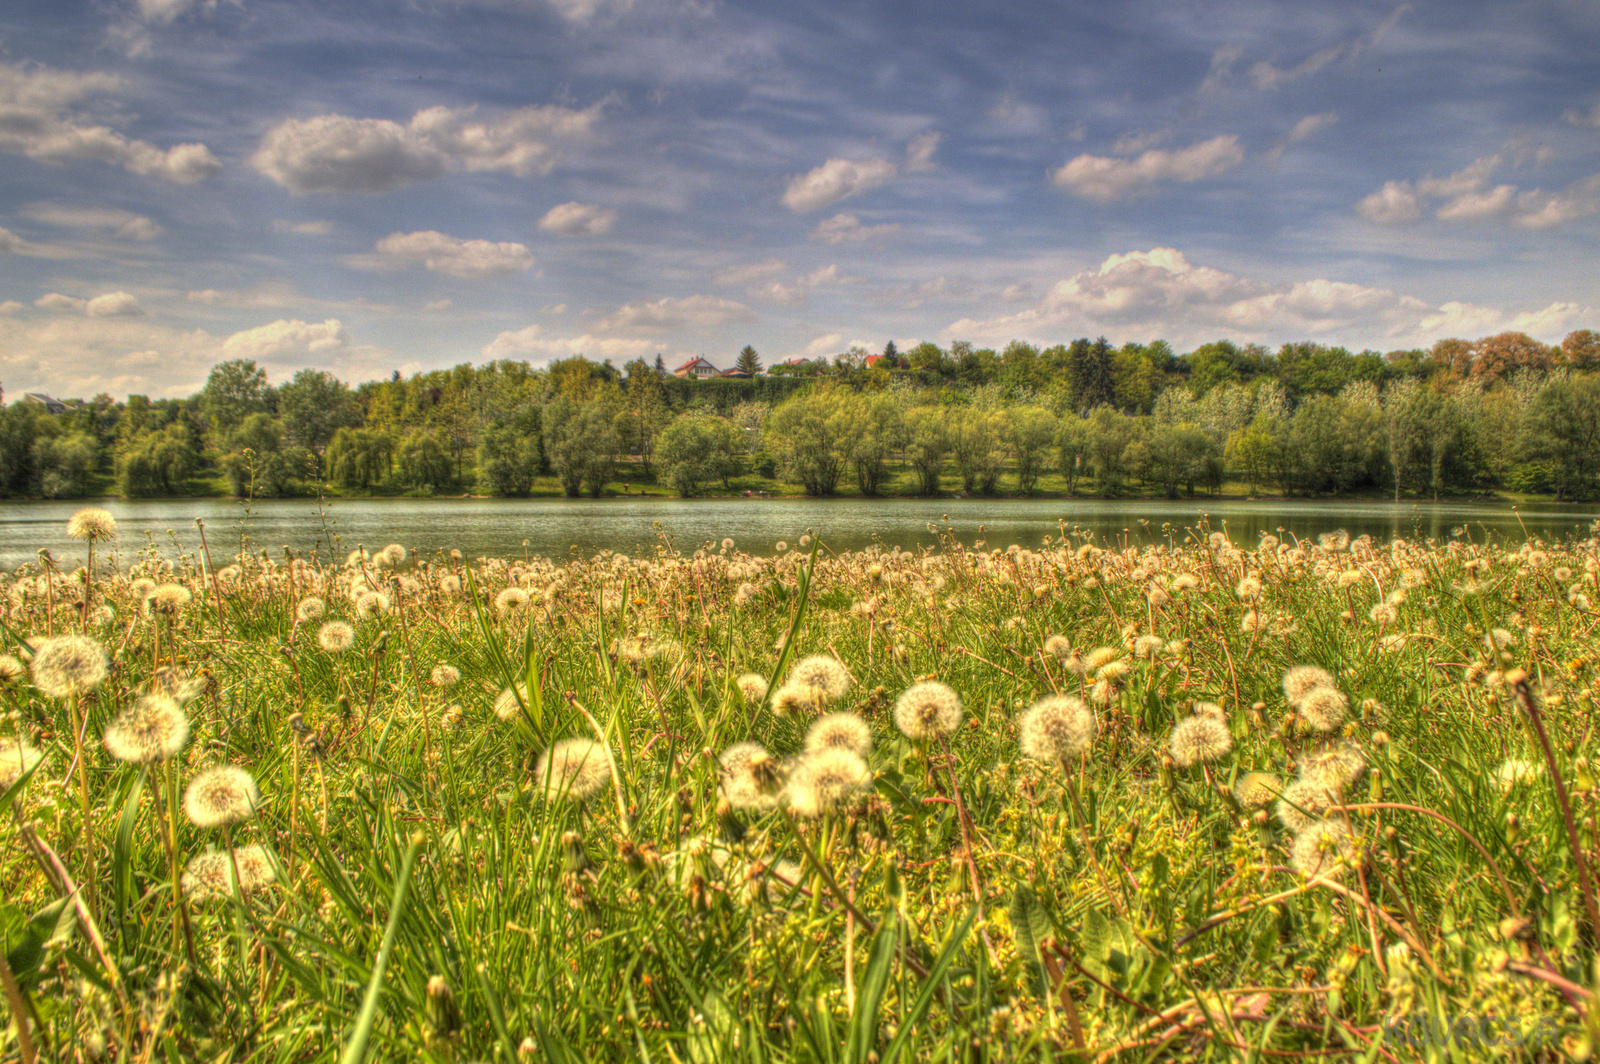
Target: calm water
<point x="562" y="528"/>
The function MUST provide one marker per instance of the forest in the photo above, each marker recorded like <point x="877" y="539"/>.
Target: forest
<point x="1503" y="413"/>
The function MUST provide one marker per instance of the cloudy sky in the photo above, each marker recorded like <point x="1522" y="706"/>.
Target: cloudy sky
<point x="388" y="185"/>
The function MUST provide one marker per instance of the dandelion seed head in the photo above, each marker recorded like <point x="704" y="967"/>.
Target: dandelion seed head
<point x="1323" y="709"/>
<point x="1200" y="739"/>
<point x="372" y="604"/>
<point x="1056" y="729"/>
<point x="226" y="794"/>
<point x="1337" y="767"/>
<point x="1304" y="802"/>
<point x="822" y="673"/>
<point x="1302" y="680"/>
<point x="1058" y="647"/>
<point x="752" y="686"/>
<point x="927" y="710"/>
<point x="506" y="705"/>
<point x="211" y="875"/>
<point x="842" y="731"/>
<point x="1257" y="790"/>
<point x="1100" y="657"/>
<point x="66" y="665"/>
<point x="11" y="670"/>
<point x="311" y="609"/>
<point x="154" y="728"/>
<point x="92" y="523"/>
<point x="169" y="598"/>
<point x="1185" y="582"/>
<point x="511" y="600"/>
<point x="826" y="782"/>
<point x="1514" y="771"/>
<point x="17" y="757"/>
<point x="748" y="777"/>
<point x="1334" y="542"/>
<point x="336" y="637"/>
<point x="576" y="769"/>
<point x="1248" y="589"/>
<point x="445" y="675"/>
<point x="1324" y="849"/>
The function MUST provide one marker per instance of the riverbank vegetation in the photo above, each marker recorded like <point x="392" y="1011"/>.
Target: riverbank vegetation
<point x="1194" y="799"/>
<point x="1500" y="414"/>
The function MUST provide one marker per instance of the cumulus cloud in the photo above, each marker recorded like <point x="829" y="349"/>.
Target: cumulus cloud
<point x="11" y="308"/>
<point x="458" y="258"/>
<point x="37" y="120"/>
<point x="751" y="272"/>
<point x="791" y="292"/>
<point x="578" y="219"/>
<point x="531" y="343"/>
<point x="112" y="305"/>
<point x="61" y="304"/>
<point x="847" y="229"/>
<point x="165" y="12"/>
<point x="123" y="224"/>
<point x="1161" y="293"/>
<point x="337" y="153"/>
<point x="288" y="341"/>
<point x="1468" y="196"/>
<point x="314" y="228"/>
<point x="669" y="315"/>
<point x="833" y="181"/>
<point x="825" y="345"/>
<point x="919" y="153"/>
<point x="1105" y="178"/>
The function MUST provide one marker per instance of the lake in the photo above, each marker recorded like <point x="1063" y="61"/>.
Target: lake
<point x="563" y="528"/>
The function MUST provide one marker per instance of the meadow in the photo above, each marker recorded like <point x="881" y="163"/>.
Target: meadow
<point x="1185" y="799"/>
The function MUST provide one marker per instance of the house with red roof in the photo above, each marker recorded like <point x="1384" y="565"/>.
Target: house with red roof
<point x="698" y="368"/>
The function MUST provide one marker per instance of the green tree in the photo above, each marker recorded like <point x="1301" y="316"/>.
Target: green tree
<point x="581" y="443"/>
<point x="748" y="361"/>
<point x="696" y="449"/>
<point x="233" y="391"/>
<point x="874" y="428"/>
<point x="1032" y="431"/>
<point x="359" y="458"/>
<point x="806" y="434"/>
<point x="1566" y="434"/>
<point x="1253" y="450"/>
<point x="423" y="461"/>
<point x="1111" y="439"/>
<point x="977" y="445"/>
<point x="1175" y="454"/>
<point x="510" y="456"/>
<point x="927" y="443"/>
<point x="315" y="405"/>
<point x="1073" y="444"/>
<point x="63" y="463"/>
<point x="258" y="464"/>
<point x="158" y="462"/>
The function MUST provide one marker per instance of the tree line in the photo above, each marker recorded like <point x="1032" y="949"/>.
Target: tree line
<point x="1504" y="412"/>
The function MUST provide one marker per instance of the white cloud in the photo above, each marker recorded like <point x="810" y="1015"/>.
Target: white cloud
<point x="458" y="258"/>
<point x="833" y="181"/>
<point x="789" y="293"/>
<point x="531" y="343"/>
<point x="11" y="243"/>
<point x="669" y="315"/>
<point x="750" y="273"/>
<point x="124" y="224"/>
<point x="1303" y="129"/>
<point x="61" y="304"/>
<point x="11" y="308"/>
<point x="1267" y="76"/>
<point x="314" y="228"/>
<point x="288" y="341"/>
<point x="1467" y="196"/>
<point x="581" y="11"/>
<point x="1576" y="117"/>
<point x="1159" y="293"/>
<point x="112" y="305"/>
<point x="825" y="345"/>
<point x="165" y="12"/>
<point x="337" y="153"/>
<point x="1103" y="178"/>
<point x="919" y="153"/>
<point x="36" y="121"/>
<point x="1133" y="143"/>
<point x="578" y="219"/>
<point x="847" y="229"/>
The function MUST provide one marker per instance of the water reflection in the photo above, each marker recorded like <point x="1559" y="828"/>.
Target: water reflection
<point x="562" y="528"/>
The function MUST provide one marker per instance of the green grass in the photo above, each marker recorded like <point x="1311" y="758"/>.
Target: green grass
<point x="432" y="903"/>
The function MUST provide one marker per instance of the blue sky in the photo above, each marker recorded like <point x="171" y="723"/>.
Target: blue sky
<point x="370" y="187"/>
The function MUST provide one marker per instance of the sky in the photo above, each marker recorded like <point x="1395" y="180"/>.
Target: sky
<point x="371" y="187"/>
